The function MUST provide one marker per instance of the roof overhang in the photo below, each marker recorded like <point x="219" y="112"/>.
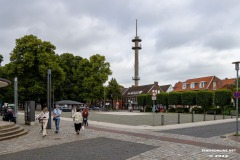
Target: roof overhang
<point x="63" y="102"/>
<point x="4" y="82"/>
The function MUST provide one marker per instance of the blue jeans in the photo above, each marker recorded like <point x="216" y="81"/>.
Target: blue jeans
<point x="57" y="121"/>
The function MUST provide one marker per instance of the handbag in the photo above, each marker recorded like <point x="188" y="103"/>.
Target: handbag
<point x="40" y="119"/>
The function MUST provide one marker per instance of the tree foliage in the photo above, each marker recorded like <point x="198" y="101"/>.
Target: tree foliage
<point x="29" y="62"/>
<point x="149" y="100"/>
<point x="141" y="100"/>
<point x="73" y="77"/>
<point x="222" y="97"/>
<point x="93" y="74"/>
<point x="113" y="90"/>
<point x="174" y="98"/>
<point x="204" y="99"/>
<point x="189" y="98"/>
<point x="1" y="59"/>
<point x="162" y="98"/>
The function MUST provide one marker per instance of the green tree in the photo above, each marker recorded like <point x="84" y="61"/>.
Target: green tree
<point x="69" y="89"/>
<point x="29" y="62"/>
<point x="204" y="99"/>
<point x="174" y="98"/>
<point x="141" y="99"/>
<point x="189" y="98"/>
<point x="1" y="59"/>
<point x="162" y="98"/>
<point x="222" y="98"/>
<point x="114" y="90"/>
<point x="93" y="74"/>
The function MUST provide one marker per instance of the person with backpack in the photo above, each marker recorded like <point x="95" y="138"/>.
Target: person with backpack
<point x="85" y="116"/>
<point x="77" y="119"/>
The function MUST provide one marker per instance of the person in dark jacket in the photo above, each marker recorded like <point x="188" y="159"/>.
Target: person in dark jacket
<point x="85" y="116"/>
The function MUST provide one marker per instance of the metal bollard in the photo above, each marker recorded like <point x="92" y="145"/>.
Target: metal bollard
<point x="192" y="116"/>
<point x="178" y="118"/>
<point x="214" y="115"/>
<point x="162" y="119"/>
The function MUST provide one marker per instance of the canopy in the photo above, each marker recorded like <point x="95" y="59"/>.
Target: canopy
<point x="67" y="102"/>
<point x="4" y="82"/>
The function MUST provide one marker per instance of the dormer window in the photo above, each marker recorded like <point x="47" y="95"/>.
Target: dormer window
<point x="202" y="84"/>
<point x="184" y="86"/>
<point x="193" y="85"/>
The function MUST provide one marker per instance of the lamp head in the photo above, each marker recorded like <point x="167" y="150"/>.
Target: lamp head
<point x="236" y="65"/>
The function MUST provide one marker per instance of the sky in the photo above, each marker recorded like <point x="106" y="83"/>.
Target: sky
<point x="181" y="39"/>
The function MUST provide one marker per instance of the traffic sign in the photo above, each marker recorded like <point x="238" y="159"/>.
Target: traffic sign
<point x="153" y="93"/>
<point x="236" y="94"/>
<point x="154" y="98"/>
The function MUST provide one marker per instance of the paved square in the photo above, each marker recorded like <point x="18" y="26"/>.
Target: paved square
<point x="94" y="149"/>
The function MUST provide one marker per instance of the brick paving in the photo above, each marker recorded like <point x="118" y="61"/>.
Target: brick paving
<point x="165" y="145"/>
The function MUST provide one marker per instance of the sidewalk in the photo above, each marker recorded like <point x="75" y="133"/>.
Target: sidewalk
<point x="168" y="146"/>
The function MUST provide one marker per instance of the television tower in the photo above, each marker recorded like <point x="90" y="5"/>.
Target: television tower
<point x="136" y="47"/>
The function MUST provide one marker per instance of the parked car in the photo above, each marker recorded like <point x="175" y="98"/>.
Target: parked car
<point x="65" y="108"/>
<point x="94" y="107"/>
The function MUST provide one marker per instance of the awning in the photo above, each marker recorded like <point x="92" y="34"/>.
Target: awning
<point x="63" y="102"/>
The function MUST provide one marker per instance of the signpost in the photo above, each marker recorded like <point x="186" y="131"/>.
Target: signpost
<point x="154" y="98"/>
<point x="236" y="94"/>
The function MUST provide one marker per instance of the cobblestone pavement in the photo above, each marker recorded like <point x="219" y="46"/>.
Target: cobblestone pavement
<point x="161" y="145"/>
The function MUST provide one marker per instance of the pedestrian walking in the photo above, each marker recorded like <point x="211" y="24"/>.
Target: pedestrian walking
<point x="73" y="110"/>
<point x="43" y="119"/>
<point x="85" y="116"/>
<point x="77" y="119"/>
<point x="56" y="117"/>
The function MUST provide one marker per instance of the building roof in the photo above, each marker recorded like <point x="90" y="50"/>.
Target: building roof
<point x="197" y="81"/>
<point x="144" y="89"/>
<point x="228" y="82"/>
<point x="164" y="88"/>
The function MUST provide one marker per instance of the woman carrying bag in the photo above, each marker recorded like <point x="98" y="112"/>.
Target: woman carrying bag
<point x="77" y="119"/>
<point x="43" y="119"/>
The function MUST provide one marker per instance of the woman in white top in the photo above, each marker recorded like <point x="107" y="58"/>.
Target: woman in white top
<point x="77" y="119"/>
<point x="44" y="116"/>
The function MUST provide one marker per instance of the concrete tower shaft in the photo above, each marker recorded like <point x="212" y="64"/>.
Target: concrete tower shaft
<point x="136" y="48"/>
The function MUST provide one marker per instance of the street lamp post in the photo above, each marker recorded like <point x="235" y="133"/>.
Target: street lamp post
<point x="236" y="68"/>
<point x="49" y="80"/>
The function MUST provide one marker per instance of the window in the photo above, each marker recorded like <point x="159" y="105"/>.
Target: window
<point x="184" y="86"/>
<point x="214" y="85"/>
<point x="193" y="85"/>
<point x="202" y="84"/>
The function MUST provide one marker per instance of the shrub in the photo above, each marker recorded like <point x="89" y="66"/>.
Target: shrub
<point x="197" y="110"/>
<point x="215" y="109"/>
<point x="182" y="110"/>
<point x="148" y="108"/>
<point x="172" y="110"/>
